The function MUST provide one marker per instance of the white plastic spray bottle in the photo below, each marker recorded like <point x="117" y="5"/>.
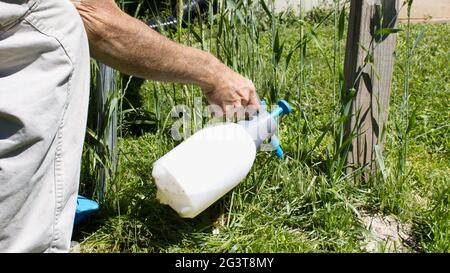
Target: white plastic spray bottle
<point x="210" y="163"/>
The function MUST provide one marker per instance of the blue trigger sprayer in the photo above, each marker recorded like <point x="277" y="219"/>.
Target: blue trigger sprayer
<point x="267" y="120"/>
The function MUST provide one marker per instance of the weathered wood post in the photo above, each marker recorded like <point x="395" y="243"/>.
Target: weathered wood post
<point x="368" y="70"/>
<point x="106" y="126"/>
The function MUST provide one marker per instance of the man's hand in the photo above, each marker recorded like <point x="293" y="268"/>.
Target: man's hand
<point x="232" y="92"/>
<point x="132" y="47"/>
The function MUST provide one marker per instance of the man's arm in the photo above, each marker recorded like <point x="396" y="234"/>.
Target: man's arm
<point x="133" y="48"/>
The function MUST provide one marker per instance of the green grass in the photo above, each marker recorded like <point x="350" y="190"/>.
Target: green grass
<point x="295" y="205"/>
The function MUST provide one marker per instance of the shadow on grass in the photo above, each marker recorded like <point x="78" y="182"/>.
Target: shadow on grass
<point x="137" y="121"/>
<point x="148" y="227"/>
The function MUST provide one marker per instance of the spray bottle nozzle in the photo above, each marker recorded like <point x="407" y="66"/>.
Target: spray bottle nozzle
<point x="283" y="108"/>
<point x="275" y="141"/>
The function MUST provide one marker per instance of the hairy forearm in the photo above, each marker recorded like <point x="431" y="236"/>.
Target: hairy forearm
<point x="133" y="48"/>
<point x="130" y="46"/>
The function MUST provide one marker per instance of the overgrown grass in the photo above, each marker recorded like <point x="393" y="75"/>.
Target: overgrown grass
<point x="301" y="204"/>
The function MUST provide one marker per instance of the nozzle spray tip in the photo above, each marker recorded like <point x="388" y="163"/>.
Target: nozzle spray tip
<point x="285" y="106"/>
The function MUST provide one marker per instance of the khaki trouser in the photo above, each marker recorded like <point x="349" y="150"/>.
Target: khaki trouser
<point x="44" y="86"/>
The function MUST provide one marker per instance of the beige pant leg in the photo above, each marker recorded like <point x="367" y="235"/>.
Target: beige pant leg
<point x="44" y="89"/>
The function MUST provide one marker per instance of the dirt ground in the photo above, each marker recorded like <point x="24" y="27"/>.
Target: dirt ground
<point x="386" y="234"/>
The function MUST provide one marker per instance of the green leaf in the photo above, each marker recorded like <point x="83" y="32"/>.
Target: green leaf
<point x="417" y="40"/>
<point x="380" y="161"/>
<point x="266" y="9"/>
<point x="409" y="2"/>
<point x="341" y="24"/>
<point x="240" y="16"/>
<point x="278" y="48"/>
<point x="313" y="35"/>
<point x="386" y="31"/>
<point x="411" y="121"/>
<point x="231" y="5"/>
<point x="293" y="50"/>
<point x="197" y="36"/>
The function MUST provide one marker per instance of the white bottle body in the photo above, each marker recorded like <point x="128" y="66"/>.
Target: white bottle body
<point x="203" y="168"/>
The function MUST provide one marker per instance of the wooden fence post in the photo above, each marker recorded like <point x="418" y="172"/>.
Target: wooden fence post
<point x="368" y="70"/>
